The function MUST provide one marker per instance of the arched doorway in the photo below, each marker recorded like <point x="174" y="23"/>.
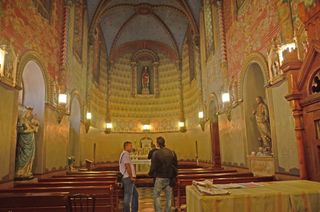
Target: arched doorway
<point x="253" y="86"/>
<point x="214" y="133"/>
<point x="33" y="94"/>
<point x="74" y="135"/>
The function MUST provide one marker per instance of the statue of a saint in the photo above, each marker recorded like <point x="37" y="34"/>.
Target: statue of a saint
<point x="27" y="126"/>
<point x="145" y="78"/>
<point x="273" y="61"/>
<point x="262" y="119"/>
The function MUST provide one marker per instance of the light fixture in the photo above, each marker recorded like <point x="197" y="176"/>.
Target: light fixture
<point x="202" y="120"/>
<point x="289" y="47"/>
<point x="88" y="121"/>
<point x="146" y="127"/>
<point x="62" y="98"/>
<point x="3" y="53"/>
<point x="228" y="103"/>
<point x="201" y="115"/>
<point x="108" y="127"/>
<point x="62" y="106"/>
<point x="89" y="116"/>
<point x="225" y="97"/>
<point x="182" y="126"/>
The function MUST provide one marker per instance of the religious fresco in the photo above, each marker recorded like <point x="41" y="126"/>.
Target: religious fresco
<point x="208" y="27"/>
<point x="260" y="17"/>
<point x="78" y="28"/>
<point x="26" y="30"/>
<point x="97" y="55"/>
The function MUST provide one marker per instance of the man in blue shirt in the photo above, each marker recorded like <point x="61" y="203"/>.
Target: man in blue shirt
<point x="127" y="170"/>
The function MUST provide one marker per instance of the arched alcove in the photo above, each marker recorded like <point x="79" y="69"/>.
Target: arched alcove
<point x="33" y="95"/>
<point x="253" y="86"/>
<point x="74" y="134"/>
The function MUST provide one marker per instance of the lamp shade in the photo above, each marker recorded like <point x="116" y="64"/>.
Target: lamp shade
<point x="62" y="98"/>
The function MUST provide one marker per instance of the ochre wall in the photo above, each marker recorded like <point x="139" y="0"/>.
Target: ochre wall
<point x="109" y="146"/>
<point x="8" y="120"/>
<point x="249" y="32"/>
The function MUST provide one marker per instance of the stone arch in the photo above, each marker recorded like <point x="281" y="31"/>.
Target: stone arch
<point x="34" y="94"/>
<point x="75" y="126"/>
<point x="253" y="78"/>
<point x="256" y="58"/>
<point x="34" y="56"/>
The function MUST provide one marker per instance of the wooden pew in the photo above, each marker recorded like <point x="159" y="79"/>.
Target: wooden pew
<point x="106" y="195"/>
<point x="63" y="184"/>
<point x="48" y="201"/>
<point x="214" y="175"/>
<point x="182" y="183"/>
<point x="148" y="182"/>
<point x="77" y="178"/>
<point x="105" y="173"/>
<point x="207" y="170"/>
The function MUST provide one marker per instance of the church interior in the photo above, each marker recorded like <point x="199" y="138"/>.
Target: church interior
<point x="232" y="85"/>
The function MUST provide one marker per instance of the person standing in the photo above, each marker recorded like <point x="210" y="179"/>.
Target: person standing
<point x="164" y="169"/>
<point x="127" y="170"/>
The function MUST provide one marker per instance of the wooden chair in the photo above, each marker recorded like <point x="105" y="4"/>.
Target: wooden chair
<point x="81" y="203"/>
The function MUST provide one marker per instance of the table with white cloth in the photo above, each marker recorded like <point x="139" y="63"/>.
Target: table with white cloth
<point x="277" y="196"/>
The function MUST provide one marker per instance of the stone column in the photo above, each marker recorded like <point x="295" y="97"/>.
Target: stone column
<point x="181" y="103"/>
<point x="156" y="79"/>
<point x="108" y="93"/>
<point x="134" y="79"/>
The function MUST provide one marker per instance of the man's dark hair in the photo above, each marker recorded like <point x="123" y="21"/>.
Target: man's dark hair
<point x="125" y="144"/>
<point x="161" y="142"/>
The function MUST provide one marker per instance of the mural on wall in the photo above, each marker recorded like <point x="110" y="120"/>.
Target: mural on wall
<point x="45" y="39"/>
<point x="44" y="8"/>
<point x="97" y="55"/>
<point x="145" y="79"/>
<point x="260" y="16"/>
<point x="78" y="28"/>
<point x="208" y="27"/>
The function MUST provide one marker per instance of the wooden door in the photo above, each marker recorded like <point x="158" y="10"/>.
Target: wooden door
<point x="312" y="135"/>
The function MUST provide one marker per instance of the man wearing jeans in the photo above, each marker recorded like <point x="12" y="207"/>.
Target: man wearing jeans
<point x="127" y="170"/>
<point x="164" y="169"/>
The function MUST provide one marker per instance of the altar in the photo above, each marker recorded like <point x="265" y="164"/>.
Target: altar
<point x="142" y="166"/>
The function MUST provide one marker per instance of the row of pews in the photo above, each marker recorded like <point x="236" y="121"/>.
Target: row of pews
<point x="50" y="193"/>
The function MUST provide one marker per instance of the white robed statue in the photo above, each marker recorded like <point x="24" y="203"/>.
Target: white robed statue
<point x="27" y="126"/>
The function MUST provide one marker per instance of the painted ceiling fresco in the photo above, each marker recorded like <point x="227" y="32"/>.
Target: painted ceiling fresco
<point x="124" y="21"/>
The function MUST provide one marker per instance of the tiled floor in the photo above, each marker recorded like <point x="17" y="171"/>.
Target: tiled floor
<point x="146" y="199"/>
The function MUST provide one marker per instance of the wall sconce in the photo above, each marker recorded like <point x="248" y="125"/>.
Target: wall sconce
<point x="202" y="120"/>
<point x="146" y="127"/>
<point x="108" y="127"/>
<point x="62" y="106"/>
<point x="227" y="104"/>
<point x="3" y="53"/>
<point x="182" y="126"/>
<point x="88" y="121"/>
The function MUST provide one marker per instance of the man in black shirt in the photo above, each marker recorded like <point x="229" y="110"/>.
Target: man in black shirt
<point x="164" y="169"/>
<point x="153" y="148"/>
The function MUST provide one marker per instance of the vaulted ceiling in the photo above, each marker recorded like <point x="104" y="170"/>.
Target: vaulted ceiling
<point x="158" y="21"/>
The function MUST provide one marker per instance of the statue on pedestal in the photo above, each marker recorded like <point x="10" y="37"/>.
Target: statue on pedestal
<point x="27" y="126"/>
<point x="145" y="81"/>
<point x="263" y="124"/>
